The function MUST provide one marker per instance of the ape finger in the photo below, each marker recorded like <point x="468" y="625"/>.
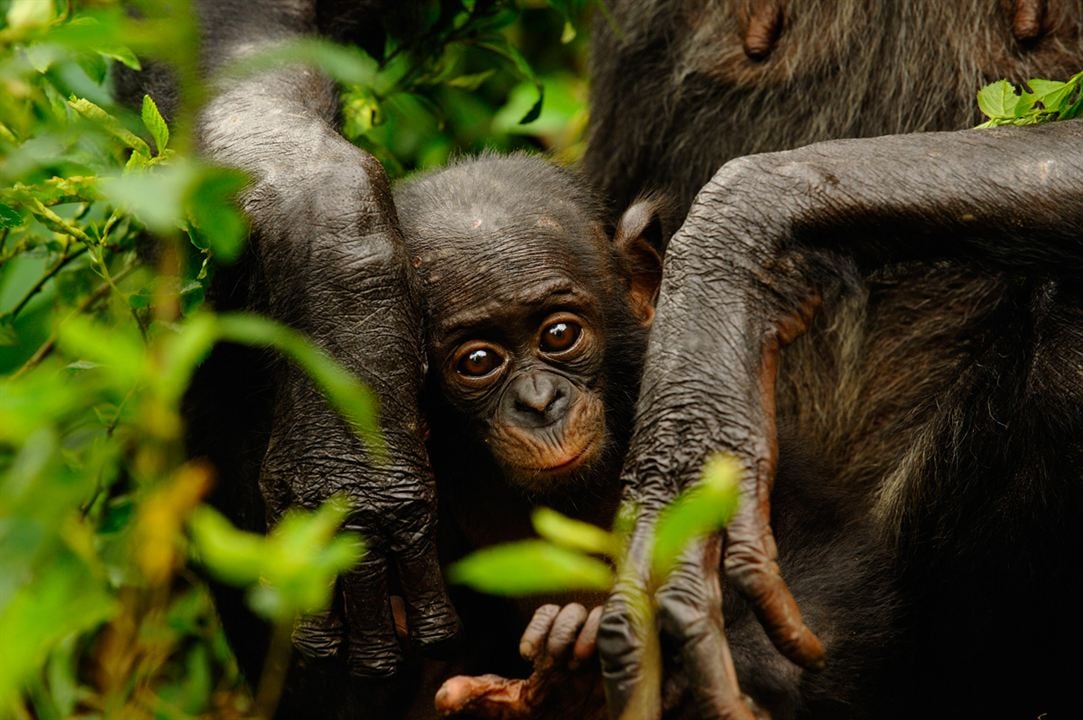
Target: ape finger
<point x="373" y="649"/>
<point x="432" y="619"/>
<point x="690" y="613"/>
<point x="751" y="563"/>
<point x="537" y="630"/>
<point x="620" y="634"/>
<point x="487" y="696"/>
<point x="620" y="649"/>
<point x="587" y="642"/>
<point x="565" y="631"/>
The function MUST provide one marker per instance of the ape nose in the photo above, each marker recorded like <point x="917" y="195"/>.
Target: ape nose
<point x="540" y="398"/>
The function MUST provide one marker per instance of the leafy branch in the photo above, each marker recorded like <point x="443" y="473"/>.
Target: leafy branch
<point x="1033" y="103"/>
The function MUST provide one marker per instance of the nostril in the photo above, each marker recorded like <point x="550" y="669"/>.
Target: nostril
<point x="555" y="402"/>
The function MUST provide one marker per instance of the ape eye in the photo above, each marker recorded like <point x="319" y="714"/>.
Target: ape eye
<point x="556" y="337"/>
<point x="477" y="361"/>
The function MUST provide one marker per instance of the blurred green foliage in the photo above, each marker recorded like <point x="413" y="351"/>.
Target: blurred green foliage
<point x="110" y="230"/>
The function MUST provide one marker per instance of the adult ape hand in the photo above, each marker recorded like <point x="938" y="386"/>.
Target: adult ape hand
<point x="741" y="280"/>
<point x="328" y="259"/>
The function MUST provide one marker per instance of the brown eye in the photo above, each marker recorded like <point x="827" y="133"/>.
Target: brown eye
<point x="560" y="336"/>
<point x="477" y="361"/>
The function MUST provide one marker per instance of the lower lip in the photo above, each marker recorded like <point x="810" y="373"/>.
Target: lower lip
<point x="567" y="466"/>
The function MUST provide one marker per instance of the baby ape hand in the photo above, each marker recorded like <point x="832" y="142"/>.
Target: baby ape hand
<point x="565" y="683"/>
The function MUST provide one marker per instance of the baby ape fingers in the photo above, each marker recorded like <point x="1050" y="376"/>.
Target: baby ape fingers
<point x="586" y="645"/>
<point x="558" y="640"/>
<point x="537" y="631"/>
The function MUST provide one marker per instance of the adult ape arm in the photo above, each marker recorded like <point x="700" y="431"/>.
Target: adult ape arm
<point x="328" y="259"/>
<point x="740" y="282"/>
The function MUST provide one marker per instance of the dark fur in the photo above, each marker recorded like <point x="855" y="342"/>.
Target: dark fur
<point x="934" y="392"/>
<point x="940" y="400"/>
<point x="837" y="570"/>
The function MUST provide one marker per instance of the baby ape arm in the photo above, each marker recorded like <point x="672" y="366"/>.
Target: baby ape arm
<point x="737" y="287"/>
<point x="327" y="258"/>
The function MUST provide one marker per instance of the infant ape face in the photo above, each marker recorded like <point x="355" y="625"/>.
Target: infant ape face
<point x="536" y="317"/>
<point x="528" y="368"/>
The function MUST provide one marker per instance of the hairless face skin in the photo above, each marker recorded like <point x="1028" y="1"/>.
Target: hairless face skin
<point x="536" y="319"/>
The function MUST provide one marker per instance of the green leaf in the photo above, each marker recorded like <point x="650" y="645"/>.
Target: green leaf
<point x="470" y="82"/>
<point x="295" y="565"/>
<point x="120" y="354"/>
<point x="530" y="567"/>
<point x="122" y="55"/>
<point x="575" y="534"/>
<point x="30" y="13"/>
<point x="8" y="336"/>
<point x="9" y="217"/>
<point x="504" y="49"/>
<point x="156" y="196"/>
<point x="155" y="123"/>
<point x="998" y="100"/>
<point x="701" y="510"/>
<point x="1053" y="95"/>
<point x="232" y="555"/>
<point x="213" y="211"/>
<point x="352" y="399"/>
<point x="111" y="125"/>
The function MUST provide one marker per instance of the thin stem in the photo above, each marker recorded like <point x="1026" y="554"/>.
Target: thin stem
<point x="47" y="347"/>
<point x="273" y="677"/>
<point x="49" y="275"/>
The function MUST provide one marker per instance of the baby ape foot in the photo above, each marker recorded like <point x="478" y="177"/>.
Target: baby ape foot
<point x="566" y="681"/>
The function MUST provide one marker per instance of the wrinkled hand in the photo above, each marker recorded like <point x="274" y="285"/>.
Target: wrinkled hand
<point x="335" y="267"/>
<point x="728" y="304"/>
<point x="561" y="644"/>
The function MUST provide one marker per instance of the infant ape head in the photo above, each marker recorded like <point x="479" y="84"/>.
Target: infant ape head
<point x="537" y="318"/>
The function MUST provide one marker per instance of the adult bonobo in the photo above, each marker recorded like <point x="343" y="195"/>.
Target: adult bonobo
<point x="940" y="379"/>
<point x="536" y="331"/>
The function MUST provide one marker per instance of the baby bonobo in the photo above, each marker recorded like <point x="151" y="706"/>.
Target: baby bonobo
<point x="538" y="318"/>
<point x="537" y="322"/>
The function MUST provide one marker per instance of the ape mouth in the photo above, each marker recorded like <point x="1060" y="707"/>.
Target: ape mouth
<point x="568" y="463"/>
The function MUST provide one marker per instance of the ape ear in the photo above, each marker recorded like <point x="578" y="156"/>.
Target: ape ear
<point x="638" y="240"/>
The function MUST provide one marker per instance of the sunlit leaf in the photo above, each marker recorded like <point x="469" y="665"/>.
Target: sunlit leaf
<point x="91" y="111"/>
<point x="574" y="534"/>
<point x="24" y="14"/>
<point x="232" y="555"/>
<point x="155" y="123"/>
<point x="530" y="566"/>
<point x="703" y="509"/>
<point x="998" y="100"/>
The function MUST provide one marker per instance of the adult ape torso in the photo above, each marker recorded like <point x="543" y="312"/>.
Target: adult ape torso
<point x="943" y="393"/>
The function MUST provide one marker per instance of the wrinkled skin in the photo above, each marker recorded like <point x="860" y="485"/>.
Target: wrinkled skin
<point x="766" y="237"/>
<point x="723" y="269"/>
<point x="503" y="245"/>
<point x="769" y="234"/>
<point x="327" y="258"/>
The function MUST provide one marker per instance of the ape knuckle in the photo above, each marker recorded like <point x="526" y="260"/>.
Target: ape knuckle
<point x="678" y="600"/>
